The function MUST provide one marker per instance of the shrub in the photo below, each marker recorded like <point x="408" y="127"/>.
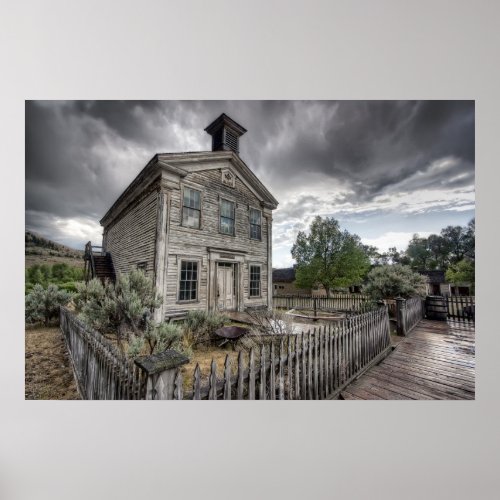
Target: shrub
<point x="122" y="308"/>
<point x="391" y="281"/>
<point x="157" y="338"/>
<point x="266" y="324"/>
<point x="200" y="326"/>
<point x="42" y="304"/>
<point x="62" y="275"/>
<point x="163" y="336"/>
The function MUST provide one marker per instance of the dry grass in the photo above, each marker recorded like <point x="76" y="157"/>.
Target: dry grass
<point x="48" y="373"/>
<point x="31" y="260"/>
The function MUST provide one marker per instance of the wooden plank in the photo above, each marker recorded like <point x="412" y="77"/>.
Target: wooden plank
<point x="437" y="389"/>
<point x="289" y="368"/>
<point x="297" y="367"/>
<point x="281" y="377"/>
<point x="212" y="392"/>
<point x="196" y="382"/>
<point x="227" y="378"/>
<point x="240" y="383"/>
<point x="272" y="374"/>
<point x="251" y="376"/>
<point x="310" y="394"/>
<point x="432" y="363"/>
<point x="321" y="363"/>
<point x="303" y="366"/>
<point x="262" y="381"/>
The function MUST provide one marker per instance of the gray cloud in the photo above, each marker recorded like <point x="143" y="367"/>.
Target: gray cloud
<point x="81" y="155"/>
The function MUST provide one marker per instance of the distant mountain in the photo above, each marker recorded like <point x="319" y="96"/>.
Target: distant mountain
<point x="40" y="250"/>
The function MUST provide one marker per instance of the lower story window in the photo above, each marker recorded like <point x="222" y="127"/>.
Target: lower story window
<point x="188" y="283"/>
<point x="254" y="281"/>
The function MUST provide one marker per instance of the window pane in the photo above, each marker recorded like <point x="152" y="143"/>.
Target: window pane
<point x="192" y="198"/>
<point x="190" y="217"/>
<point x="254" y="281"/>
<point x="226" y="225"/>
<point x="255" y="232"/>
<point x="188" y="284"/>
<point x="227" y="209"/>
<point x="254" y="216"/>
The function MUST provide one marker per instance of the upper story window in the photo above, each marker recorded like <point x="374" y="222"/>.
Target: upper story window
<point x="227" y="217"/>
<point x="191" y="208"/>
<point x="255" y="224"/>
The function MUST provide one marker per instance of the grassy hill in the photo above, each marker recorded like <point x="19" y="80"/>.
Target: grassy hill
<point x="40" y="250"/>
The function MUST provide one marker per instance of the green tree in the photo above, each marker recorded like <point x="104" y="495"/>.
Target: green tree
<point x="394" y="281"/>
<point x="470" y="240"/>
<point x="456" y="238"/>
<point x="329" y="256"/>
<point x="419" y="253"/>
<point x="439" y="249"/>
<point x="461" y="272"/>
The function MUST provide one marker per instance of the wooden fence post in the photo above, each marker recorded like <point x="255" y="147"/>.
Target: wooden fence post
<point x="401" y="316"/>
<point x="161" y="372"/>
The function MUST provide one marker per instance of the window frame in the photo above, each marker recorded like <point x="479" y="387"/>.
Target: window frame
<point x="198" y="273"/>
<point x="250" y="296"/>
<point x="184" y="187"/>
<point x="221" y="199"/>
<point x="250" y="223"/>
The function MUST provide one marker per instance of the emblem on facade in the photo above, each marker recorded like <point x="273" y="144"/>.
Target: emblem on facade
<point x="228" y="178"/>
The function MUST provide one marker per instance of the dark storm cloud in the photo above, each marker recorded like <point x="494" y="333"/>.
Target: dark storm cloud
<point x="371" y="145"/>
<point x="81" y="155"/>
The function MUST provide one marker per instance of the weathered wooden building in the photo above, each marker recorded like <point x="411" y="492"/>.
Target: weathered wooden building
<point x="200" y="224"/>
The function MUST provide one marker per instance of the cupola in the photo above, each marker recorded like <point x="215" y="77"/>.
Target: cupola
<point x="225" y="134"/>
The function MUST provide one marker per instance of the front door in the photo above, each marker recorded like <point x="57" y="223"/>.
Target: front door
<point x="226" y="296"/>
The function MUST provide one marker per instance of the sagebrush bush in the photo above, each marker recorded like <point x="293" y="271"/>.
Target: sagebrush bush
<point x="391" y="281"/>
<point x="42" y="304"/>
<point x="200" y="326"/>
<point x="156" y="339"/>
<point x="123" y="308"/>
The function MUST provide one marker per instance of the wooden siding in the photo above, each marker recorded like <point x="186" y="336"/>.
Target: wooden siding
<point x="189" y="243"/>
<point x="437" y="361"/>
<point x="131" y="237"/>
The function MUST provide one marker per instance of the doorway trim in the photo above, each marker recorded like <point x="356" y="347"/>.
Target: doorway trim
<point x="236" y="257"/>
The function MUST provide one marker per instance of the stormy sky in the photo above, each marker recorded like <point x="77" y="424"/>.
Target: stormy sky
<point x="384" y="169"/>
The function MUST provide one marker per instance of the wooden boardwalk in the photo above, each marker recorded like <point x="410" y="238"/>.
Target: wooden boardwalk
<point x="436" y="361"/>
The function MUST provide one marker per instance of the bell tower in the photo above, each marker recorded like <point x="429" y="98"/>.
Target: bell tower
<point x="225" y="134"/>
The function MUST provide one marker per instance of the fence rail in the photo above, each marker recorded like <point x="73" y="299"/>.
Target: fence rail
<point x="339" y="302"/>
<point x="313" y="365"/>
<point x="461" y="308"/>
<point x="415" y="311"/>
<point x="101" y="371"/>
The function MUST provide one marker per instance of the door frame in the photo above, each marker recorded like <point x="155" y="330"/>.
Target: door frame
<point x="236" y="257"/>
<point x="236" y="291"/>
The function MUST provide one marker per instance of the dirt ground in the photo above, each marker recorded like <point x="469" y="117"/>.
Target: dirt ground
<point x="48" y="373"/>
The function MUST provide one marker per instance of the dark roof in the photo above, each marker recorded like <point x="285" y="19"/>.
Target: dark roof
<point x="286" y="275"/>
<point x="435" y="276"/>
<point x="224" y="120"/>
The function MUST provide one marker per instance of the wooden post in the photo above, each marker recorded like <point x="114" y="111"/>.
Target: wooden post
<point x="401" y="315"/>
<point x="161" y="372"/>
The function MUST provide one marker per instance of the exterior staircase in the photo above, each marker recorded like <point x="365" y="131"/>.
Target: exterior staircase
<point x="98" y="264"/>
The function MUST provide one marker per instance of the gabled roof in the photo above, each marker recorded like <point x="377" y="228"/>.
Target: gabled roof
<point x="188" y="162"/>
<point x="285" y="275"/>
<point x="182" y="164"/>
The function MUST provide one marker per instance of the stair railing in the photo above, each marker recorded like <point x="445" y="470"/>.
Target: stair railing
<point x="90" y="250"/>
